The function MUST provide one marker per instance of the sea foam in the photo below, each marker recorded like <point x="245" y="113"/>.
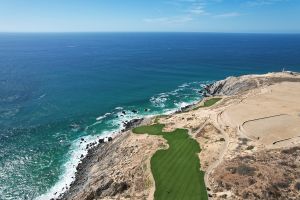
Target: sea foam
<point x="78" y="147"/>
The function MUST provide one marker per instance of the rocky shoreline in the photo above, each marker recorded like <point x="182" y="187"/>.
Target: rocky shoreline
<point x="119" y="169"/>
<point x="95" y="153"/>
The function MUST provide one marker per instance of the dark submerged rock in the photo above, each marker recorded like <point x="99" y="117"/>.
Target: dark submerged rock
<point x="101" y="140"/>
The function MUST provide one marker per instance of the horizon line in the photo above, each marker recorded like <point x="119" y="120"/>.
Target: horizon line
<point x="212" y="32"/>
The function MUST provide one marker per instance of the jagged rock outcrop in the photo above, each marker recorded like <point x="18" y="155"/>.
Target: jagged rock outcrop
<point x="234" y="85"/>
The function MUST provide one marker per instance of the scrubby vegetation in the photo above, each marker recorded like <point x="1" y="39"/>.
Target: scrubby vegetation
<point x="176" y="170"/>
<point x="250" y="147"/>
<point x="208" y="103"/>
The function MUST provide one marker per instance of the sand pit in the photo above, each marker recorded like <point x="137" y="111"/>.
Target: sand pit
<point x="269" y="115"/>
<point x="273" y="129"/>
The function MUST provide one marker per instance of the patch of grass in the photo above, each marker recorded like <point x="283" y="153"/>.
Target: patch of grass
<point x="208" y="103"/>
<point x="176" y="170"/>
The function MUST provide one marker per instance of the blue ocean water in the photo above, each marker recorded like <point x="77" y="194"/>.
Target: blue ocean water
<point x="59" y="87"/>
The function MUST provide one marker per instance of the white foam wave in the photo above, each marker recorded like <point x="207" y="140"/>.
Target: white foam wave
<point x="184" y="85"/>
<point x="159" y="101"/>
<point x="102" y="116"/>
<point x="42" y="96"/>
<point x="182" y="104"/>
<point x="78" y="148"/>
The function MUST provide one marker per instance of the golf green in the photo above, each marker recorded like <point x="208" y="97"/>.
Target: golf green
<point x="176" y="170"/>
<point x="208" y="103"/>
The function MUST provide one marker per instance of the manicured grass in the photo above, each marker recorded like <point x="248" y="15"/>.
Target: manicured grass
<point x="209" y="103"/>
<point x="176" y="170"/>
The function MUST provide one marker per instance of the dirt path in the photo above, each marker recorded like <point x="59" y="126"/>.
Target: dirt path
<point x="222" y="153"/>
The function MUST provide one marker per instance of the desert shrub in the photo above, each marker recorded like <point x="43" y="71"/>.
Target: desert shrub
<point x="246" y="195"/>
<point x="250" y="147"/>
<point x="251" y="181"/>
<point x="284" y="163"/>
<point x="246" y="158"/>
<point x="294" y="166"/>
<point x="227" y="186"/>
<point x="272" y="193"/>
<point x="245" y="170"/>
<point x="297" y="186"/>
<point x="290" y="150"/>
<point x="231" y="169"/>
<point x="283" y="184"/>
<point x="244" y="140"/>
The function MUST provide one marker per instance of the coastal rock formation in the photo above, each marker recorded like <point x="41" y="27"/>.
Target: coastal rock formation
<point x="131" y="124"/>
<point x="235" y="85"/>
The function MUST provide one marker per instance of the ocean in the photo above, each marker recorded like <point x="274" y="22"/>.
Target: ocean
<point x="56" y="88"/>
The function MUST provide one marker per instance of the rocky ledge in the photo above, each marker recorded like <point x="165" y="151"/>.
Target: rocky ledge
<point x="234" y="85"/>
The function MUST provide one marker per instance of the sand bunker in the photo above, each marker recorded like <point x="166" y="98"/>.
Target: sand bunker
<point x="273" y="129"/>
<point x="269" y="115"/>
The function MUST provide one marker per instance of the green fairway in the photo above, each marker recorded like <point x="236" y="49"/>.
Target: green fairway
<point x="176" y="170"/>
<point x="208" y="103"/>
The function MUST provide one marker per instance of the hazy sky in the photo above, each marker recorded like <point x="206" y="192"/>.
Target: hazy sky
<point x="150" y="15"/>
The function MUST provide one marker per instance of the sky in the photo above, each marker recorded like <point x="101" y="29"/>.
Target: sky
<point x="253" y="16"/>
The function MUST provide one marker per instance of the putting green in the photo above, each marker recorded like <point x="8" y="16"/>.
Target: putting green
<point x="176" y="170"/>
<point x="208" y="103"/>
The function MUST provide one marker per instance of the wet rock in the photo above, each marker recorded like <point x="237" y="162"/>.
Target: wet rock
<point x="131" y="124"/>
<point x="101" y="140"/>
